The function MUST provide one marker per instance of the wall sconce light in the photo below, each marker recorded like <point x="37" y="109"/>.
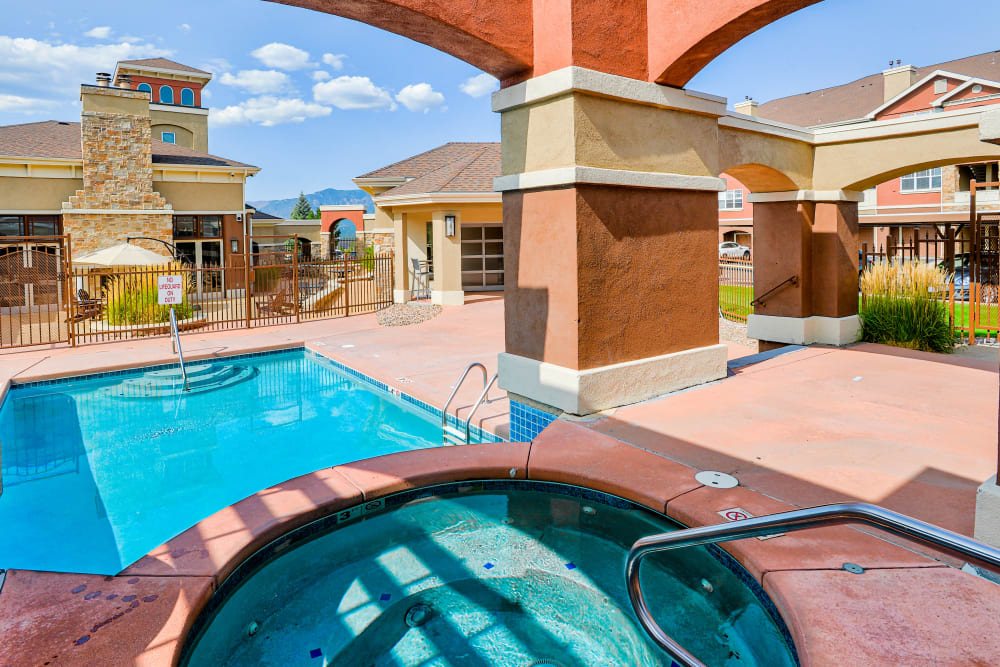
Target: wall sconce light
<point x="449" y="225"/>
<point x="234" y="245"/>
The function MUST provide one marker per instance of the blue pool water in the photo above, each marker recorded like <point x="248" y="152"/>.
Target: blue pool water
<point x="98" y="472"/>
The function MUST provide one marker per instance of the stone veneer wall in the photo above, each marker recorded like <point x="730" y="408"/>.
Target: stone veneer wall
<point x="117" y="199"/>
<point x="381" y="241"/>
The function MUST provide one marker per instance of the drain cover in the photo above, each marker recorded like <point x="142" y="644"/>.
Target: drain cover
<point x="854" y="569"/>
<point x="417" y="615"/>
<point x="719" y="480"/>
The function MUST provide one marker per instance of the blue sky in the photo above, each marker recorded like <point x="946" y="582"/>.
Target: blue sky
<point x="314" y="99"/>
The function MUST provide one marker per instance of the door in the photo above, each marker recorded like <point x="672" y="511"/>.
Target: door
<point x="482" y="257"/>
<point x="205" y="255"/>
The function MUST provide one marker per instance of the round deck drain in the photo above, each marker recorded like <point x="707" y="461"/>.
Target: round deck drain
<point x="854" y="569"/>
<point x="718" y="480"/>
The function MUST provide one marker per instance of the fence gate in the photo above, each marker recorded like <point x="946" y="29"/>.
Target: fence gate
<point x="33" y="290"/>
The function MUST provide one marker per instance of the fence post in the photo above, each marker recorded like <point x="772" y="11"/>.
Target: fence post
<point x="295" y="274"/>
<point x="68" y="264"/>
<point x="347" y="289"/>
<point x="247" y="277"/>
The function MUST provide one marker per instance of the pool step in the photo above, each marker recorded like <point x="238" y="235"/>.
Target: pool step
<point x="453" y="435"/>
<point x="170" y="381"/>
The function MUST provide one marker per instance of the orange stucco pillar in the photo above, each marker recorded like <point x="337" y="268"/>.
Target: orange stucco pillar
<point x="611" y="294"/>
<point x="817" y="243"/>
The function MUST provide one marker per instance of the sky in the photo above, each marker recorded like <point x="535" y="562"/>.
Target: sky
<point x="315" y="99"/>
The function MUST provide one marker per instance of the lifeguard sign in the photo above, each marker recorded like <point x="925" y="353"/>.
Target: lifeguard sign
<point x="169" y="290"/>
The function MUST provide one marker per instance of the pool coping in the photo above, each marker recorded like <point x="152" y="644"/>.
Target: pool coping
<point x="824" y="623"/>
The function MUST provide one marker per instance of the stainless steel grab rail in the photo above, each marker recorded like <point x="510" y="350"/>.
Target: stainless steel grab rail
<point x="479" y="401"/>
<point x="458" y="385"/>
<point x="785" y="522"/>
<point x="175" y="338"/>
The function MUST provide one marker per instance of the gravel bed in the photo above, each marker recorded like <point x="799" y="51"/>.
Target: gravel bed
<point x="735" y="332"/>
<point x="405" y="314"/>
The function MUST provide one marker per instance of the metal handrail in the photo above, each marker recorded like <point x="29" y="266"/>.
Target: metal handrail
<point x="794" y="280"/>
<point x="479" y="401"/>
<point x="175" y="338"/>
<point x="785" y="522"/>
<point x="444" y="413"/>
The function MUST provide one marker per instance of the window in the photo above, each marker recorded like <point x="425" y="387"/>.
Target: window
<point x="921" y="181"/>
<point x="977" y="88"/>
<point x="187" y="97"/>
<point x="168" y="137"/>
<point x="166" y="95"/>
<point x="731" y="200"/>
<point x="211" y="226"/>
<point x="145" y="87"/>
<point x="197" y="226"/>
<point x="11" y="225"/>
<point x="32" y="225"/>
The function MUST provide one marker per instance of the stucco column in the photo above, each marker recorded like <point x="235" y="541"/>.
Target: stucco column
<point x="446" y="288"/>
<point x="812" y="237"/>
<point x="610" y="212"/>
<point x="401" y="259"/>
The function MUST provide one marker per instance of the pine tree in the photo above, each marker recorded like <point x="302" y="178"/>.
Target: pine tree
<point x="303" y="209"/>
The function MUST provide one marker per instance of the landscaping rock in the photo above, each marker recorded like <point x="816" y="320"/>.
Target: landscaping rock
<point x="404" y="314"/>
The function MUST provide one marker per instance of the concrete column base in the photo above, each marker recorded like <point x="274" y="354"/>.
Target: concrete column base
<point x="595" y="389"/>
<point x="805" y="330"/>
<point x="987" y="527"/>
<point x="448" y="297"/>
<point x="400" y="295"/>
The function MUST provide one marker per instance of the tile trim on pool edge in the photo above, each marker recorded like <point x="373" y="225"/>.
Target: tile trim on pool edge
<point x="475" y="433"/>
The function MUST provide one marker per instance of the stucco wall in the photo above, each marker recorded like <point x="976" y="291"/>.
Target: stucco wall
<point x="37" y="194"/>
<point x="201" y="196"/>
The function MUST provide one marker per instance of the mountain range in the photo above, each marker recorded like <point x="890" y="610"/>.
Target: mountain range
<point x="283" y="207"/>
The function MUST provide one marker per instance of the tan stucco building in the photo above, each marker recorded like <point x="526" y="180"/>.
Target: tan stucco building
<point x="442" y="212"/>
<point x="134" y="166"/>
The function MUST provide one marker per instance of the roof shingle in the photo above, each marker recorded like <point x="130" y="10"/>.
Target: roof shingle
<point x="162" y="63"/>
<point x="454" y="167"/>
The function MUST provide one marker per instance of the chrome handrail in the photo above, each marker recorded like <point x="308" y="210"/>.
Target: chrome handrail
<point x="785" y="522"/>
<point x="486" y="390"/>
<point x="458" y="385"/>
<point x="175" y="338"/>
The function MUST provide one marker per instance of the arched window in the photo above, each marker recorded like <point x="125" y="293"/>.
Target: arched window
<point x="187" y="97"/>
<point x="166" y="95"/>
<point x="145" y="87"/>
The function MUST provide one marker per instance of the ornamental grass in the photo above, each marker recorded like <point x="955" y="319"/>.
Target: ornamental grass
<point x="130" y="296"/>
<point x="902" y="304"/>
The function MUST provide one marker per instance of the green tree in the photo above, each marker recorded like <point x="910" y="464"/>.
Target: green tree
<point x="315" y="215"/>
<point x="303" y="209"/>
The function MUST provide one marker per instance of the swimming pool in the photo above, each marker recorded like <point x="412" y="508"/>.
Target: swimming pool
<point x="99" y="470"/>
<point x="511" y="574"/>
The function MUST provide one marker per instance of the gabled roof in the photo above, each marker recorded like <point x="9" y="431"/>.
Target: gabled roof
<point x="856" y="99"/>
<point x="162" y="63"/>
<point x="260" y="215"/>
<point x="920" y="83"/>
<point x="432" y="160"/>
<point x="472" y="170"/>
<point x="59" y="139"/>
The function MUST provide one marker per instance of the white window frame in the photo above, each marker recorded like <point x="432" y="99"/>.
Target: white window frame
<point x="146" y="88"/>
<point x="191" y="92"/>
<point x="731" y="200"/>
<point x="162" y="101"/>
<point x="909" y="184"/>
<point x="171" y="140"/>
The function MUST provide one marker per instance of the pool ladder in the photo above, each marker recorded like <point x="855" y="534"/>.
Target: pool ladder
<point x="451" y="434"/>
<point x="175" y="339"/>
<point x="786" y="522"/>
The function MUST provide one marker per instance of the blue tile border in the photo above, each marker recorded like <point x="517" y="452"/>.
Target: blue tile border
<point x="526" y="422"/>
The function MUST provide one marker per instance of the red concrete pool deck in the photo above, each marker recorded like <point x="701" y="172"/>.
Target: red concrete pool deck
<point x="904" y="609"/>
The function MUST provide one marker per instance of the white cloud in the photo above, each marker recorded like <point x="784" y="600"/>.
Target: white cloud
<point x="206" y="94"/>
<point x="336" y="61"/>
<point x="353" y="92"/>
<point x="420" y="97"/>
<point x="100" y="32"/>
<point x="216" y="65"/>
<point x="282" y="56"/>
<point x="267" y="110"/>
<point x="257" y="81"/>
<point x="321" y="75"/>
<point x="28" y="105"/>
<point x="61" y="68"/>
<point x="479" y="85"/>
<point x="184" y="26"/>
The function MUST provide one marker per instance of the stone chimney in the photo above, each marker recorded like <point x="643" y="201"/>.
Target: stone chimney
<point x="897" y="79"/>
<point x="747" y="107"/>
<point x="117" y="199"/>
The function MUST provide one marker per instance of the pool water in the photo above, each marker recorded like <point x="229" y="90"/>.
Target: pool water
<point x="96" y="473"/>
<point x="512" y="574"/>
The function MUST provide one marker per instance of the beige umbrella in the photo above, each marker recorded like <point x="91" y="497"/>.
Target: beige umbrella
<point x="123" y="254"/>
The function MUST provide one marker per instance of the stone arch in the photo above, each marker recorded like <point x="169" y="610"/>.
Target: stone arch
<point x="493" y="35"/>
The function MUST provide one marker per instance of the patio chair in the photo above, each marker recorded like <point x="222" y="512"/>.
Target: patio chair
<point x="420" y="285"/>
<point x="278" y="304"/>
<point x="85" y="307"/>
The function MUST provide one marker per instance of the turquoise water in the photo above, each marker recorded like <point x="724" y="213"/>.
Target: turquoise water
<point x="505" y="574"/>
<point x="93" y="480"/>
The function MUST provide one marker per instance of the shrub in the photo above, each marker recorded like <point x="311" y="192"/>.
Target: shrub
<point x="368" y="261"/>
<point x="130" y="297"/>
<point x="902" y="304"/>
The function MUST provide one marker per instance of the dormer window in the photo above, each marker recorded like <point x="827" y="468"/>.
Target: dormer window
<point x="187" y="97"/>
<point x="166" y="95"/>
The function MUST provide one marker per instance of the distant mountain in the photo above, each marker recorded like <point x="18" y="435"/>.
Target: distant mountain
<point x="283" y="207"/>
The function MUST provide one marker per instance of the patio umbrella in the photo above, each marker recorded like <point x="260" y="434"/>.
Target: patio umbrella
<point x="123" y="254"/>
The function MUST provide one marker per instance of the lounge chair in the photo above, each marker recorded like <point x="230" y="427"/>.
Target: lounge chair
<point x="278" y="304"/>
<point x="85" y="307"/>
